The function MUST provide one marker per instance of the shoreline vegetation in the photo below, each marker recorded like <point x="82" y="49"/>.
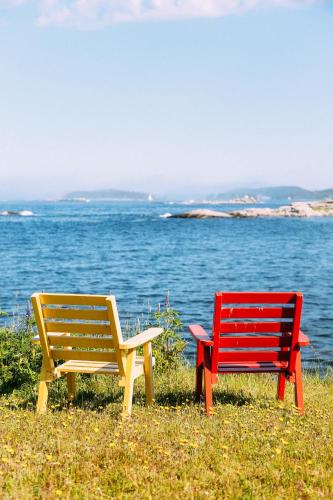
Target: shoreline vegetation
<point x="252" y="447"/>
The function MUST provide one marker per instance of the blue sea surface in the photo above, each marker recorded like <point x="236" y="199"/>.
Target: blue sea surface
<point x="129" y="250"/>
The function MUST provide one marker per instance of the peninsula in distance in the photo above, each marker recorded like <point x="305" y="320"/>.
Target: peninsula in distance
<point x="108" y="195"/>
<point x="291" y="193"/>
<point x="251" y="195"/>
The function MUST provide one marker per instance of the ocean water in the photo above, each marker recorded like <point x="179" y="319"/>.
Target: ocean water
<point x="129" y="250"/>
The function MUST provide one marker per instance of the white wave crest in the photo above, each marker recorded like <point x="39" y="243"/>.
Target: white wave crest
<point x="165" y="216"/>
<point x="26" y="213"/>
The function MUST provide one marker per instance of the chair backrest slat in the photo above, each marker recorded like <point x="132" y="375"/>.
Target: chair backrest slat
<point x="80" y="314"/>
<point x="84" y="341"/>
<point x="72" y="299"/>
<point x="257" y="312"/>
<point x="83" y="328"/>
<point x="265" y="342"/>
<point x="256" y="327"/>
<point x="71" y="354"/>
<point x="259" y="356"/>
<point x="78" y="327"/>
<point x="258" y="297"/>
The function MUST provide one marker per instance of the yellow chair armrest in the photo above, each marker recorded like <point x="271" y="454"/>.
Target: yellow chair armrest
<point x="141" y="339"/>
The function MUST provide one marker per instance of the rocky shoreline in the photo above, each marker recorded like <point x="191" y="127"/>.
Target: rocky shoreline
<point x="296" y="209"/>
<point x="243" y="200"/>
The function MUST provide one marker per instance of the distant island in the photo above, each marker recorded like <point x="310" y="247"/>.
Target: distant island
<point x="241" y="196"/>
<point x="107" y="195"/>
<point x="290" y="193"/>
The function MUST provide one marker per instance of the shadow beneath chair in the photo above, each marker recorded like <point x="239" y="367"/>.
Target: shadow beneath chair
<point x="181" y="398"/>
<point x="88" y="399"/>
<point x="175" y="398"/>
<point x="232" y="398"/>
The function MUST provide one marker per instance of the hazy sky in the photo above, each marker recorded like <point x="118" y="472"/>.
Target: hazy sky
<point x="164" y="95"/>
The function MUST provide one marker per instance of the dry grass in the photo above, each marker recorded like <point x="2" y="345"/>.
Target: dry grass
<point x="252" y="447"/>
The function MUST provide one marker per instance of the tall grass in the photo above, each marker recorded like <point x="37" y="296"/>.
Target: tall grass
<point x="252" y="447"/>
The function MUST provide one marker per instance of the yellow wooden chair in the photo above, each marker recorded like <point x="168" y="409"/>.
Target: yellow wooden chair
<point x="84" y="331"/>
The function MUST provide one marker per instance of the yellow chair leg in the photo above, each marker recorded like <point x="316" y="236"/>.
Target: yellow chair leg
<point x="43" y="393"/>
<point x="129" y="382"/>
<point x="148" y="369"/>
<point x="71" y="386"/>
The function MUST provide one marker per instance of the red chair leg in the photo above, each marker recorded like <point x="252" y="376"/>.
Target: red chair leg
<point x="281" y="386"/>
<point x="299" y="401"/>
<point x="208" y="380"/>
<point x="199" y="370"/>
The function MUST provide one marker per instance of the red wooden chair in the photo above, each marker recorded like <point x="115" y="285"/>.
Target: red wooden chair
<point x="253" y="332"/>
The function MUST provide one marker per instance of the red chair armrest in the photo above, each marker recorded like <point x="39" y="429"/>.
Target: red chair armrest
<point x="303" y="339"/>
<point x="200" y="335"/>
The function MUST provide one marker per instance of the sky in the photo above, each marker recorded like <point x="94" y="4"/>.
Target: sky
<point x="172" y="97"/>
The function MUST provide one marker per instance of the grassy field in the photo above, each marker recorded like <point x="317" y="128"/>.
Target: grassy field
<point x="253" y="447"/>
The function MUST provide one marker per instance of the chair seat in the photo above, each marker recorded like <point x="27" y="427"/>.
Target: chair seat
<point x="101" y="367"/>
<point x="249" y="367"/>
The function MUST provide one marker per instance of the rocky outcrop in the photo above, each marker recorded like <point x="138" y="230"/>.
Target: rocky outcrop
<point x="22" y="213"/>
<point x="297" y="209"/>
<point x="198" y="214"/>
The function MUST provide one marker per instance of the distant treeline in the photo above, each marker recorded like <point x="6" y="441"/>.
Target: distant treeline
<point x="294" y="193"/>
<point x="108" y="194"/>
